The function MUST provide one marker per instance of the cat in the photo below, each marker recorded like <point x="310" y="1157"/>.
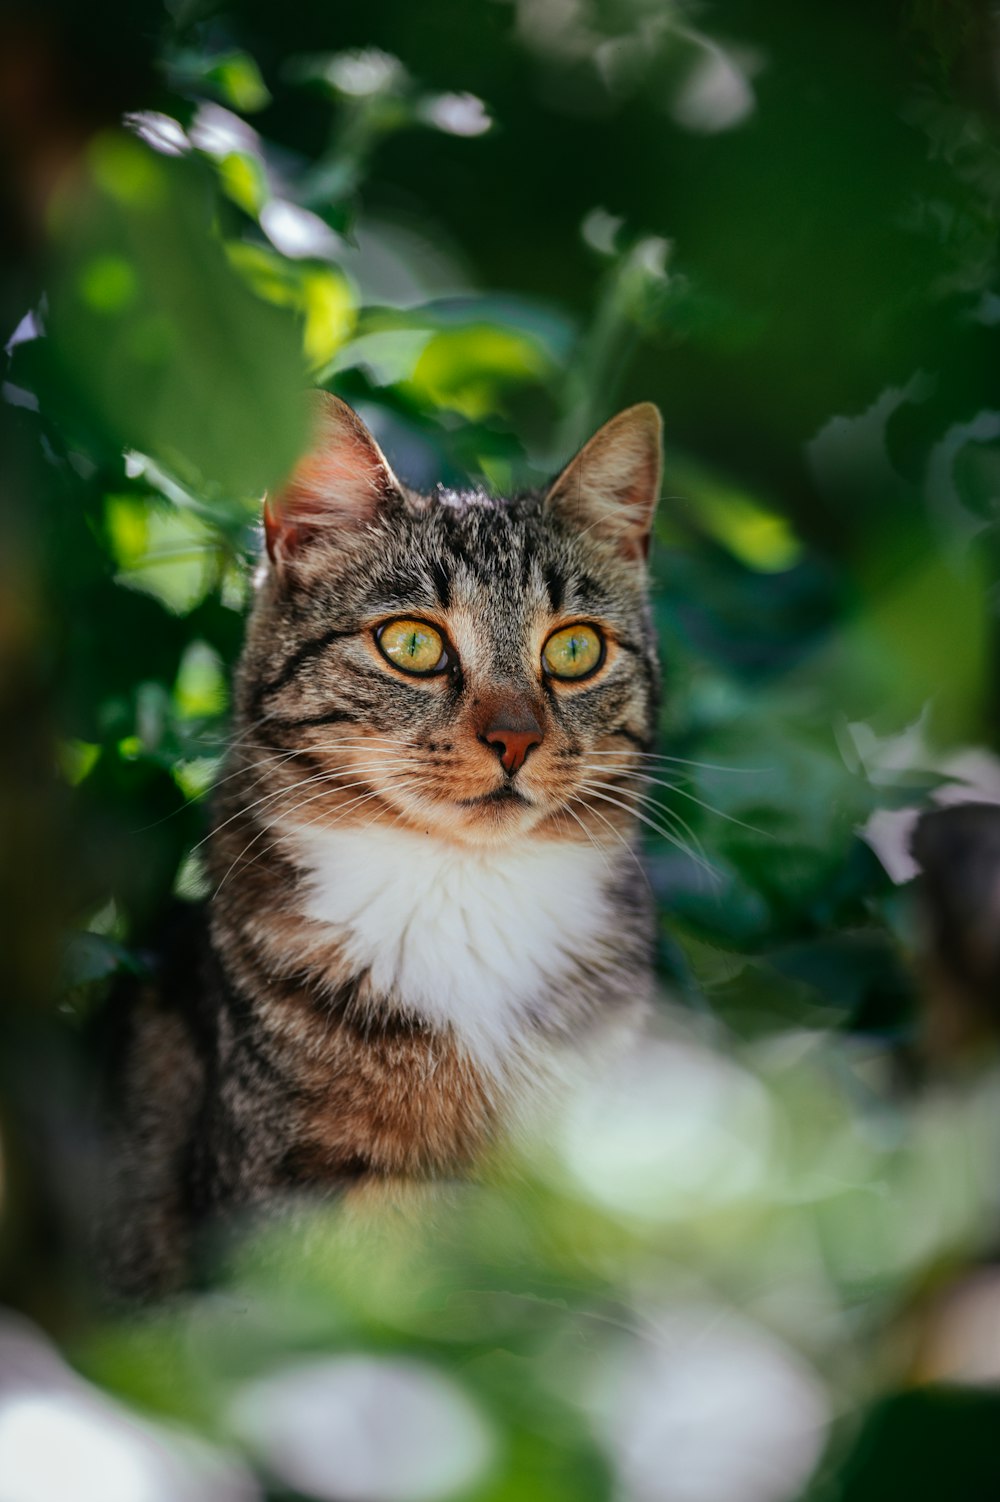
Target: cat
<point x="427" y="901"/>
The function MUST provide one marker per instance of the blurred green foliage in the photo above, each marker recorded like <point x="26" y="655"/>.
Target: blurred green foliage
<point x="489" y="226"/>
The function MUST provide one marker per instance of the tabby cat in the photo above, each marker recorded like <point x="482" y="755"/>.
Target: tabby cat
<point x="427" y="901"/>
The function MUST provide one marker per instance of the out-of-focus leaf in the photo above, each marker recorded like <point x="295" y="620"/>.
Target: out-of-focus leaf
<point x="242" y="178"/>
<point x="77" y="759"/>
<point x="919" y="638"/>
<point x="233" y="77"/>
<point x="926" y="1444"/>
<point x="91" y="957"/>
<point x="474" y="369"/>
<point x="200" y="689"/>
<point x="161" y="550"/>
<point x="164" y="344"/>
<point x="753" y="532"/>
<point x="320" y="295"/>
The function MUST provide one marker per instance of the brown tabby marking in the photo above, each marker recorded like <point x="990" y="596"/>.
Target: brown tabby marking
<point x="417" y="920"/>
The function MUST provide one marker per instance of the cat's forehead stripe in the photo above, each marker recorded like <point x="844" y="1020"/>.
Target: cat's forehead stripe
<point x="442" y="582"/>
<point x="556" y="586"/>
<point x="499" y="548"/>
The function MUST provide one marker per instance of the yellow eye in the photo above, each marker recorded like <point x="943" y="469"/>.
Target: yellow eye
<point x="573" y="652"/>
<point x="413" y="646"/>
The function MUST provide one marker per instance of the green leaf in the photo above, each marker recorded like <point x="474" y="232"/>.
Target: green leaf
<point x="92" y="957"/>
<point x="159" y="339"/>
<point x="471" y="370"/>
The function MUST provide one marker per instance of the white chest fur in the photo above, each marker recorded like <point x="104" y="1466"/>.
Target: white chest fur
<point x="465" y="938"/>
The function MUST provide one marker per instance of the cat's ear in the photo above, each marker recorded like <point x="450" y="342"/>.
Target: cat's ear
<point x="611" y="488"/>
<point x="338" y="485"/>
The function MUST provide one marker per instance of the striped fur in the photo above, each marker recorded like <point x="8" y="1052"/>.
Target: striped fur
<point x="407" y="941"/>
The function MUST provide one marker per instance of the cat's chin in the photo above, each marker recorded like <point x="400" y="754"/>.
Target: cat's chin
<point x="500" y="822"/>
<point x="488" y="821"/>
<point x="502" y="797"/>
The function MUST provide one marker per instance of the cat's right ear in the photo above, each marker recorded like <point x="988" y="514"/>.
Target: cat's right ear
<point x="610" y="489"/>
<point x="338" y="485"/>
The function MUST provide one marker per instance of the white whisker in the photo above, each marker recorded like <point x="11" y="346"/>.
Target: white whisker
<point x="676" y="788"/>
<point x="701" y="860"/>
<point x="659" y="809"/>
<point x="361" y="798"/>
<point x="331" y="775"/>
<point x="595" y="842"/>
<point x="682" y="761"/>
<point x="615" y="832"/>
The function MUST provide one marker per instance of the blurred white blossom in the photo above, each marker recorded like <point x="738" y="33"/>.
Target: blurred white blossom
<point x="367" y="71"/>
<point x="297" y="232"/>
<point x="716" y="94"/>
<point x="366" y="1428"/>
<point x="710" y="1408"/>
<point x="162" y="132"/>
<point x="457" y="114"/>
<point x="62" y="1440"/>
<point x="675" y="1129"/>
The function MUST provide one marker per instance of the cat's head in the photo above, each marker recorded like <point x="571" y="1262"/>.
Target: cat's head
<point x="456" y="663"/>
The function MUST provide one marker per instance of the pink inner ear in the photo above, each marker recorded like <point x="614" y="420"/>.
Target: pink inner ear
<point x="339" y="483"/>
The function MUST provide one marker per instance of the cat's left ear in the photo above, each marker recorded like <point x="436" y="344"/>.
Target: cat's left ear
<point x="337" y="486"/>
<point x="611" y="488"/>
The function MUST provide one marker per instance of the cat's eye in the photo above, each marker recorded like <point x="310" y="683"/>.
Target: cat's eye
<point x="413" y="646"/>
<point x="573" y="652"/>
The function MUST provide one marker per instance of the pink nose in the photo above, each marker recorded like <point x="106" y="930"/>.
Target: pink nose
<point x="513" y="745"/>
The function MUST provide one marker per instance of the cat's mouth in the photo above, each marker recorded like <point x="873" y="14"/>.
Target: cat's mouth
<point x="504" y="794"/>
